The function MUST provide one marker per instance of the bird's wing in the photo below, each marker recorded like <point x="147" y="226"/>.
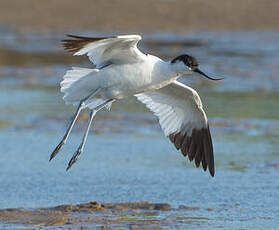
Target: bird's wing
<point x="105" y="50"/>
<point x="183" y="120"/>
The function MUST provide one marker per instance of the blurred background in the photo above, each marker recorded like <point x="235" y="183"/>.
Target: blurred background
<point x="127" y="158"/>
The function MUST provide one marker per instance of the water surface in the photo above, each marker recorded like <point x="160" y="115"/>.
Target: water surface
<point x="127" y="158"/>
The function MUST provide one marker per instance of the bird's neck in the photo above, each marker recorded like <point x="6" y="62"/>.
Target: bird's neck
<point x="164" y="73"/>
<point x="178" y="68"/>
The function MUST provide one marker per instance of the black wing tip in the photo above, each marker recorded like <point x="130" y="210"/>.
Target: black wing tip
<point x="79" y="38"/>
<point x="210" y="154"/>
<point x="212" y="172"/>
<point x="74" y="36"/>
<point x="198" y="146"/>
<point x="76" y="43"/>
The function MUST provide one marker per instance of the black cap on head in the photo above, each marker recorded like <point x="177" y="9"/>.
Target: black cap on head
<point x="188" y="60"/>
<point x="192" y="64"/>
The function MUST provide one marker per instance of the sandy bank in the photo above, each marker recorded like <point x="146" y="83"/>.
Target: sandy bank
<point x="139" y="16"/>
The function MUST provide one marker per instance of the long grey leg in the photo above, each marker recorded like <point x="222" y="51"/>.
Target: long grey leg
<point x="69" y="129"/>
<point x="81" y="146"/>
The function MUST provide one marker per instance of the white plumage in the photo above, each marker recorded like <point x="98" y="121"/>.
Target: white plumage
<point x="122" y="70"/>
<point x="177" y="106"/>
<point x="74" y="83"/>
<point x="120" y="50"/>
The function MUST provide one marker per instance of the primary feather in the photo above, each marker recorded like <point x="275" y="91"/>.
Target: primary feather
<point x="183" y="120"/>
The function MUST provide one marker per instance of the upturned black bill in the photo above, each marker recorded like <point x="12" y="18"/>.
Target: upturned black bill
<point x="203" y="74"/>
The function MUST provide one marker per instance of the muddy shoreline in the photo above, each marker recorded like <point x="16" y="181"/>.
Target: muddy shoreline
<point x="94" y="214"/>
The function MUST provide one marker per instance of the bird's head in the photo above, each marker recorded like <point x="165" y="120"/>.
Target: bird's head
<point x="191" y="64"/>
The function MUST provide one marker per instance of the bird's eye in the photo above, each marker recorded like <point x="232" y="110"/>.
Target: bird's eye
<point x="190" y="64"/>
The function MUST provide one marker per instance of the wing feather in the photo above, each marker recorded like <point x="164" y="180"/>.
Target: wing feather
<point x="183" y="120"/>
<point x="105" y="50"/>
<point x="77" y="42"/>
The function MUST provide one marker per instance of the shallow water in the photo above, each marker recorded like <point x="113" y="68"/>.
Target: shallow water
<point x="127" y="158"/>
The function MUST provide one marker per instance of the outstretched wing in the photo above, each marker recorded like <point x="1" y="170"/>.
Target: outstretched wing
<point x="106" y="50"/>
<point x="183" y="120"/>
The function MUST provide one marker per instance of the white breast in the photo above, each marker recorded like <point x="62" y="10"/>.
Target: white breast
<point x="130" y="79"/>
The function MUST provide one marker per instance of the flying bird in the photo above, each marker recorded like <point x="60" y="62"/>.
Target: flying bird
<point x="122" y="70"/>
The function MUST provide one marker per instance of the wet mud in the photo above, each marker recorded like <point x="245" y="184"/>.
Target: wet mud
<point x="94" y="214"/>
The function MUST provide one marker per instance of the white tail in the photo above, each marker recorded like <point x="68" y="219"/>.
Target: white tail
<point x="78" y="83"/>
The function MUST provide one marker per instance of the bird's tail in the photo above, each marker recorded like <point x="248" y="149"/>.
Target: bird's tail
<point x="78" y="83"/>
